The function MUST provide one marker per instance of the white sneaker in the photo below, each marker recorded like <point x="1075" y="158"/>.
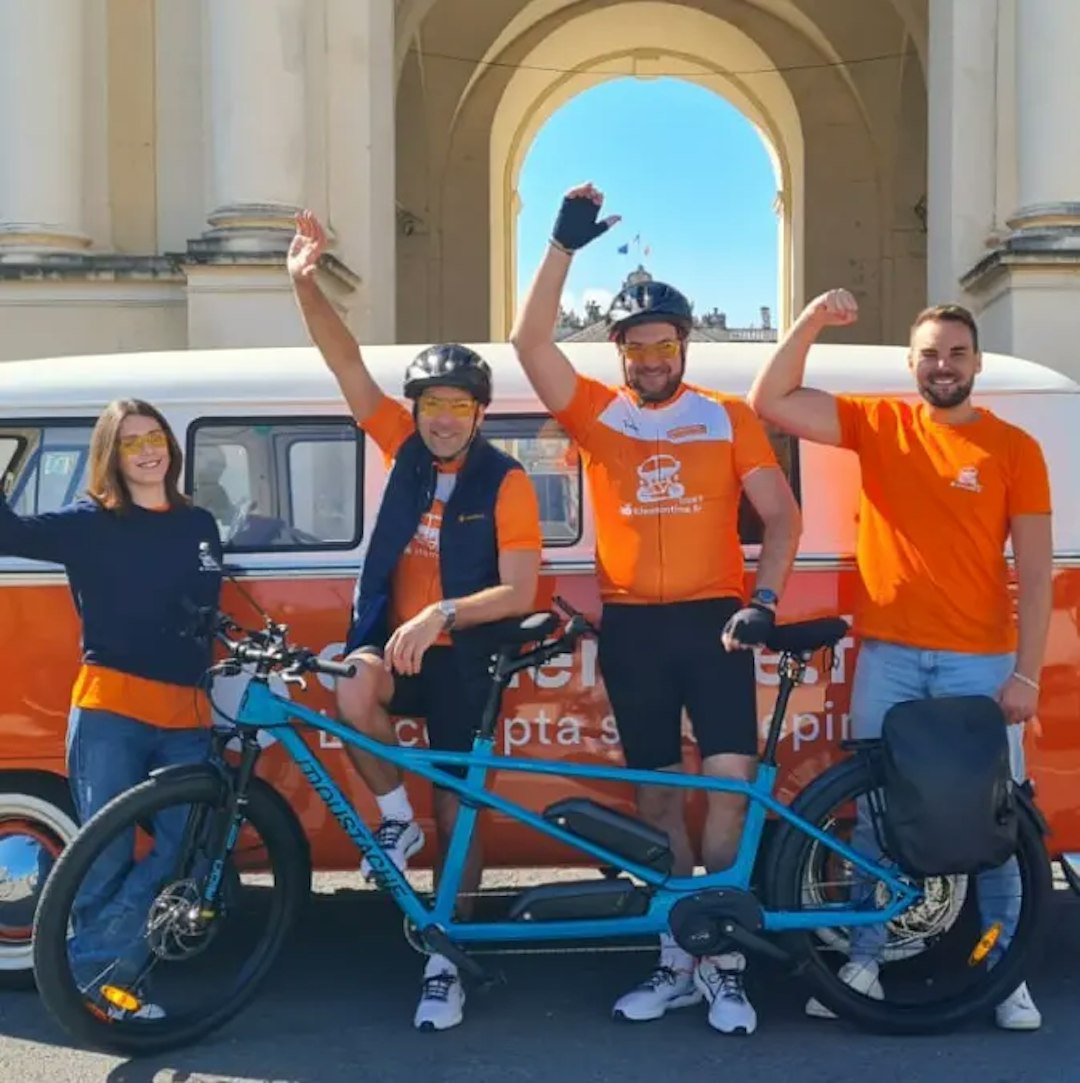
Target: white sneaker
<point x="862" y="977"/>
<point x="399" y="839"/>
<point x="1018" y="1012"/>
<point x="720" y="979"/>
<point x="670" y="985"/>
<point x="442" y="998"/>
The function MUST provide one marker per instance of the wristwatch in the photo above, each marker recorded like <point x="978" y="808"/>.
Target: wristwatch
<point x="448" y="609"/>
<point x="765" y="597"/>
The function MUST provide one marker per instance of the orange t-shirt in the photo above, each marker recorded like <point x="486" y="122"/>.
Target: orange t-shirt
<point x="666" y="482"/>
<point x="170" y="706"/>
<point x="416" y="581"/>
<point x="934" y="516"/>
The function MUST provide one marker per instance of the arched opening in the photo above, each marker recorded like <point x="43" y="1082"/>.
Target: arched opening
<point x="696" y="187"/>
<point x="646" y="40"/>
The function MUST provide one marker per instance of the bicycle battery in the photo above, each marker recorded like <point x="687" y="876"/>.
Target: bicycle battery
<point x="633" y="839"/>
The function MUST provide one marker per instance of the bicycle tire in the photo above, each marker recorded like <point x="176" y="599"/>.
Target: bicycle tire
<point x="289" y="858"/>
<point x="837" y="786"/>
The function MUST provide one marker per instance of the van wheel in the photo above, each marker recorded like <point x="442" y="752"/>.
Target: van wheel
<point x="37" y="820"/>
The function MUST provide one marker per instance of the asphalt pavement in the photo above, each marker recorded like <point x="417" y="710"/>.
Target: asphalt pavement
<point x="338" y="1009"/>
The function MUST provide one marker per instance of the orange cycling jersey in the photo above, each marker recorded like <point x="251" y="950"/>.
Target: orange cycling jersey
<point x="416" y="580"/>
<point x="666" y="481"/>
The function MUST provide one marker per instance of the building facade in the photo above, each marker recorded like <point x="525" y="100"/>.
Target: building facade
<point x="155" y="152"/>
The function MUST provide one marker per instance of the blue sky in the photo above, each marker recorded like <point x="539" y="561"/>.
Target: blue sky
<point x="686" y="171"/>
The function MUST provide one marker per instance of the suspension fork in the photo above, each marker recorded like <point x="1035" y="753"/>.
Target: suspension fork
<point x="226" y="823"/>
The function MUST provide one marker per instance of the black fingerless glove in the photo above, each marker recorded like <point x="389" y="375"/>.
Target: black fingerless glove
<point x="576" y="225"/>
<point x="751" y="625"/>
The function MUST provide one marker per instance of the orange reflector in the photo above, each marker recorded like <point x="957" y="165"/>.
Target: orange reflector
<point x="120" y="998"/>
<point x="986" y="943"/>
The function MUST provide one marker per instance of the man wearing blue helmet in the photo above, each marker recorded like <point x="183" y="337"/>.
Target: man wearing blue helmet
<point x="667" y="464"/>
<point x="456" y="545"/>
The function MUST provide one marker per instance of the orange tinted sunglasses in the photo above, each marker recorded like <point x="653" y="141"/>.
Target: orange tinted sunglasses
<point x="665" y="350"/>
<point x="152" y="441"/>
<point x="459" y="408"/>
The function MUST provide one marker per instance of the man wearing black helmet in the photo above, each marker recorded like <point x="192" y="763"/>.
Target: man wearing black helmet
<point x="667" y="464"/>
<point x="456" y="546"/>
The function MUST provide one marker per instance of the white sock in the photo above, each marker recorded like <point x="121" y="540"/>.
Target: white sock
<point x="395" y="805"/>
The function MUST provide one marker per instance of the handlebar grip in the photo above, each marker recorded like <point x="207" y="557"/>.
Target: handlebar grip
<point x="334" y="669"/>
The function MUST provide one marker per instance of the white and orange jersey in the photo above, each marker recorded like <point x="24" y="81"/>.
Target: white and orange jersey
<point x="666" y="481"/>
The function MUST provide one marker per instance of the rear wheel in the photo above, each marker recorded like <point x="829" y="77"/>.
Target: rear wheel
<point x="37" y="821"/>
<point x="153" y="944"/>
<point x="933" y="965"/>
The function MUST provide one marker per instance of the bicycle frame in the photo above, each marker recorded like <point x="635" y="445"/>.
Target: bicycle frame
<point x="263" y="709"/>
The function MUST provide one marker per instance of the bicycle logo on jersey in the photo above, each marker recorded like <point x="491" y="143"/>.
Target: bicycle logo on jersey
<point x="659" y="476"/>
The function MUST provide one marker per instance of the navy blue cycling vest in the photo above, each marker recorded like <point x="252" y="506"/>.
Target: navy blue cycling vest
<point x="468" y="545"/>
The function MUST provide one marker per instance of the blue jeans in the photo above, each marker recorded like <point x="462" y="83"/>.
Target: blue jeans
<point x="108" y="754"/>
<point x="889" y="673"/>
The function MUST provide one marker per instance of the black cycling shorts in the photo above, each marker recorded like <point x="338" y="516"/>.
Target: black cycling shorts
<point x="447" y="694"/>
<point x="657" y="660"/>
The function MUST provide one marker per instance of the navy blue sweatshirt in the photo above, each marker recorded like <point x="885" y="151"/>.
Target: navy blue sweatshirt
<point x="130" y="575"/>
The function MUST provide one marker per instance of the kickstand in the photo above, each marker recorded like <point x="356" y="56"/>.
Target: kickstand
<point x="438" y="941"/>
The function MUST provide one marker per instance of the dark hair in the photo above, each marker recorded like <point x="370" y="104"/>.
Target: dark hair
<point x="107" y="485"/>
<point x="949" y="314"/>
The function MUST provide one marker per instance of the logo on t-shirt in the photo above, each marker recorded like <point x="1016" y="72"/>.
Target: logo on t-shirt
<point x="659" y="490"/>
<point x="207" y="561"/>
<point x="968" y="478"/>
<point x="425" y="542"/>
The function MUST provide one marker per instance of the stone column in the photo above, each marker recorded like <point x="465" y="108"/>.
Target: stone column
<point x="41" y="126"/>
<point x="361" y="143"/>
<point x="960" y="151"/>
<point x="1026" y="289"/>
<point x="1047" y="100"/>
<point x="255" y="81"/>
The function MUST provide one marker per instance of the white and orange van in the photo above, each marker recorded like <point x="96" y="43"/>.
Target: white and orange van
<point x="271" y="451"/>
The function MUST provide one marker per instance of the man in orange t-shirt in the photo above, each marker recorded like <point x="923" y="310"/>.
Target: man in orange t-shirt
<point x="944" y="485"/>
<point x="666" y="464"/>
<point x="456" y="546"/>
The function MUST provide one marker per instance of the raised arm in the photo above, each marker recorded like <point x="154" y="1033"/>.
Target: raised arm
<point x="778" y="395"/>
<point x="326" y="328"/>
<point x="533" y="335"/>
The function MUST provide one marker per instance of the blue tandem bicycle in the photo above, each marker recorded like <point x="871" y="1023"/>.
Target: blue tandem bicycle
<point x="798" y="899"/>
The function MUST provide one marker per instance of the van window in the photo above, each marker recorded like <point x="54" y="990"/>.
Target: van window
<point x="278" y="484"/>
<point x="786" y="448"/>
<point x="551" y="460"/>
<point x="49" y="465"/>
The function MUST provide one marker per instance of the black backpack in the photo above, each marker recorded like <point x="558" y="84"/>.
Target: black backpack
<point x="950" y="806"/>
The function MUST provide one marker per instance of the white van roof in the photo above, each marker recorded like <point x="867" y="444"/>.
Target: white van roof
<point x="297" y="376"/>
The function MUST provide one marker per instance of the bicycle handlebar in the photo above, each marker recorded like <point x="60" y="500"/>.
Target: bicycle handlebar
<point x="268" y="649"/>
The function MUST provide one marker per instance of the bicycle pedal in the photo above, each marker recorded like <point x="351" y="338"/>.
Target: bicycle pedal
<point x="439" y="942"/>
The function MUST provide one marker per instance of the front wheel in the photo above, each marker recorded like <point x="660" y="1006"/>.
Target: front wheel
<point x="934" y="966"/>
<point x="123" y="953"/>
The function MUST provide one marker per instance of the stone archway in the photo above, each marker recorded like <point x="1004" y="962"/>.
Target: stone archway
<point x="841" y="107"/>
<point x="646" y="39"/>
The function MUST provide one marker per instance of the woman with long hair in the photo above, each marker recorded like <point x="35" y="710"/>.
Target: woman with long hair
<point x="139" y="557"/>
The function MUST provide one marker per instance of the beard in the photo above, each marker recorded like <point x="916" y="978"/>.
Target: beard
<point x="657" y="394"/>
<point x="946" y="397"/>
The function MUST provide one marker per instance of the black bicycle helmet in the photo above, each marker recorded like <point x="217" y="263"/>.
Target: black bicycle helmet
<point x="449" y="366"/>
<point x="648" y="302"/>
